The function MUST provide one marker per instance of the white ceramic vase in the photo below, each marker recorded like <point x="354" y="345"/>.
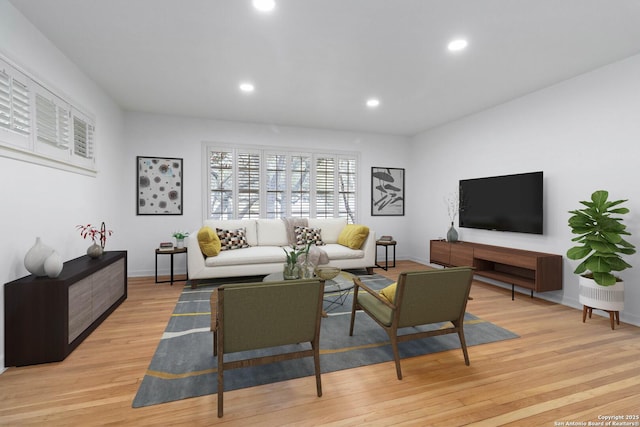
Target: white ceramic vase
<point x="35" y="258"/>
<point x="53" y="265"/>
<point x="609" y="298"/>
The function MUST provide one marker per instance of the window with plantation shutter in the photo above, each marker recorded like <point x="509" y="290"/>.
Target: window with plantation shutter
<point x="40" y="126"/>
<point x="272" y="183"/>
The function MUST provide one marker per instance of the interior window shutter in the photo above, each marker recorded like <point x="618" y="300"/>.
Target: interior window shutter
<point x="20" y="102"/>
<point x="325" y="187"/>
<point x="248" y="185"/>
<point x="52" y="121"/>
<point x="15" y="107"/>
<point x="5" y="100"/>
<point x="83" y="135"/>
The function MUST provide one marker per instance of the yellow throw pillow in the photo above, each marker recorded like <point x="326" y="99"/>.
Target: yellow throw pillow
<point x="353" y="235"/>
<point x="390" y="292"/>
<point x="208" y="241"/>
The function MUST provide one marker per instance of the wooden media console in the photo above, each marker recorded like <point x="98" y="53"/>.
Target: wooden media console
<point x="536" y="271"/>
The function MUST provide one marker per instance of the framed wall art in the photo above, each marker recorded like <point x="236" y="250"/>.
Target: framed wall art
<point x="159" y="186"/>
<point x="387" y="191"/>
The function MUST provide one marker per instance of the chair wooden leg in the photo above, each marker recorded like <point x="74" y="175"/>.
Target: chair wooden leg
<point x="396" y="355"/>
<point x="316" y="362"/>
<point x="463" y="344"/>
<point x="354" y="306"/>
<point x="220" y="383"/>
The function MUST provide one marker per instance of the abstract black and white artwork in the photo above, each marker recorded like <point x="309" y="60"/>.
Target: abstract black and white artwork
<point x="159" y="186"/>
<point x="387" y="191"/>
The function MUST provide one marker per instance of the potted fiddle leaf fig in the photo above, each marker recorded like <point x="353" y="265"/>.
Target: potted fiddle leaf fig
<point x="601" y="244"/>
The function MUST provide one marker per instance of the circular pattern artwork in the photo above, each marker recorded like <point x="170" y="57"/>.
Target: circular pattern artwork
<point x="159" y="186"/>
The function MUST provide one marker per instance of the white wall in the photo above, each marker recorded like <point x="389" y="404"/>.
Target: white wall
<point x="583" y="133"/>
<point x="165" y="136"/>
<point x="46" y="202"/>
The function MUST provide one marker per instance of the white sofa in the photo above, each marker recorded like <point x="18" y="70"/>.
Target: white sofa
<point x="266" y="238"/>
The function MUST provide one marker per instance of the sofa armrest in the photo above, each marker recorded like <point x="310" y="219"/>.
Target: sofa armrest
<point x="369" y="248"/>
<point x="195" y="259"/>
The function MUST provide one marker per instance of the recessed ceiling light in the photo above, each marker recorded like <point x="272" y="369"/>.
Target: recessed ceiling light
<point x="247" y="87"/>
<point x="373" y="102"/>
<point x="457" y="45"/>
<point x="264" y="5"/>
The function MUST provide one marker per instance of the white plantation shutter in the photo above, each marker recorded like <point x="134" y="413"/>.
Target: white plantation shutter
<point x="53" y="129"/>
<point x="248" y="181"/>
<point x="220" y="180"/>
<point x="300" y="188"/>
<point x="325" y="187"/>
<point x="276" y="184"/>
<point x="83" y="134"/>
<point x="21" y="104"/>
<point x="347" y="185"/>
<point x="15" y="106"/>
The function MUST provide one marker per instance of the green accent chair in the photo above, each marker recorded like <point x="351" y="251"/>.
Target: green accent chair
<point x="254" y="316"/>
<point x="421" y="298"/>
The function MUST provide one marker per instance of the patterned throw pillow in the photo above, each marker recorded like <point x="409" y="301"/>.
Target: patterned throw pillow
<point x="305" y="235"/>
<point x="232" y="239"/>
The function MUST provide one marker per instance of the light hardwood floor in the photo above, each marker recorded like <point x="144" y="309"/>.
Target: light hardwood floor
<point x="559" y="370"/>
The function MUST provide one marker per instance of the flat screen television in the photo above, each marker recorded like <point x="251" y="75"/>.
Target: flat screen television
<point x="503" y="203"/>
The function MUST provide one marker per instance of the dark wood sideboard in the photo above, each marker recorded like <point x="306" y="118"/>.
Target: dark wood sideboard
<point x="536" y="271"/>
<point x="46" y="319"/>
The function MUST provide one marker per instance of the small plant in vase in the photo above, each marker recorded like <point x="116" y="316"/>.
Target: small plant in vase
<point x="97" y="236"/>
<point x="453" y="204"/>
<point x="180" y="236"/>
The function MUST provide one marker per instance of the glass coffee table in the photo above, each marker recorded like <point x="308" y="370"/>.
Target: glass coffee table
<point x="336" y="290"/>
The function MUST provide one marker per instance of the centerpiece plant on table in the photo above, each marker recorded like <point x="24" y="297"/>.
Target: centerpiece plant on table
<point x="291" y="268"/>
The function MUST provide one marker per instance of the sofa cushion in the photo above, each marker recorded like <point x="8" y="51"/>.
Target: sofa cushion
<point x="208" y="241"/>
<point x="389" y="292"/>
<point x="353" y="235"/>
<point x="336" y="252"/>
<point x="232" y="239"/>
<point x="289" y="224"/>
<point x="248" y="256"/>
<point x="233" y="224"/>
<point x="271" y="232"/>
<point x="306" y="235"/>
<point x="331" y="227"/>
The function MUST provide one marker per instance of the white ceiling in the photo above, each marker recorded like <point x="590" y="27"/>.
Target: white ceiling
<point x="315" y="62"/>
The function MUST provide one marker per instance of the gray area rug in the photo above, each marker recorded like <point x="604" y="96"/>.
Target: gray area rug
<point x="184" y="366"/>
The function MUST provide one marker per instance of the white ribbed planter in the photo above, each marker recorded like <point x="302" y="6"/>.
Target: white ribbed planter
<point x="610" y="298"/>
